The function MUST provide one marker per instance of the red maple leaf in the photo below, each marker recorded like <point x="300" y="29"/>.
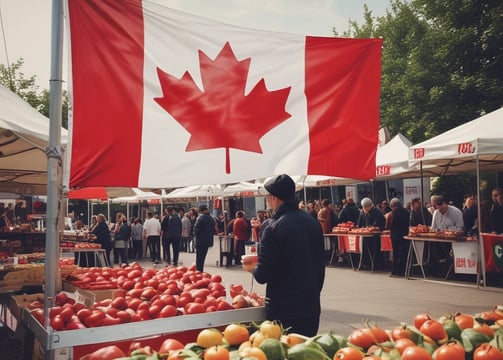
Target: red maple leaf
<point x="222" y="116"/>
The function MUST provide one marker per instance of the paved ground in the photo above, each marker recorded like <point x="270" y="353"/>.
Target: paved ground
<point x="349" y="297"/>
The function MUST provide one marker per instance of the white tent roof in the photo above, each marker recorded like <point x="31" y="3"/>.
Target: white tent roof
<point x="24" y="136"/>
<point x="196" y="191"/>
<point x="139" y="196"/>
<point x="455" y="151"/>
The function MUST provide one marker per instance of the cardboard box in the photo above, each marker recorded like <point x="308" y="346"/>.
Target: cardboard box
<point x="99" y="295"/>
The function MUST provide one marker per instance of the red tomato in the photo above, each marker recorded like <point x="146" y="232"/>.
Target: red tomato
<point x="124" y="316"/>
<point x="380" y="334"/>
<point x="168" y="311"/>
<point x="216" y="278"/>
<point x="194" y="308"/>
<point x="154" y="311"/>
<point x="419" y="319"/>
<point x="168" y="299"/>
<point x="95" y="319"/>
<point x="57" y="323"/>
<point x="169" y="345"/>
<point x="401" y="332"/>
<point x="216" y="353"/>
<point x="363" y="338"/>
<point x="464" y="321"/>
<point x="403" y="343"/>
<point x="201" y="293"/>
<point x="148" y="293"/>
<point x="434" y="329"/>
<point x="416" y="353"/>
<point x="348" y="353"/>
<point x="55" y="310"/>
<point x="487" y="352"/>
<point x="108" y="321"/>
<point x="61" y="298"/>
<point x="133" y="303"/>
<point x="128" y="285"/>
<point x="66" y="314"/>
<point x="107" y="353"/>
<point x="38" y="314"/>
<point x="134" y="274"/>
<point x="184" y="299"/>
<point x="83" y="313"/>
<point x="450" y="351"/>
<point x="119" y="303"/>
<point x="224" y="305"/>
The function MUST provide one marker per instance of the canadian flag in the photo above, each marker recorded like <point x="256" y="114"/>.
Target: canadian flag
<point x="161" y="98"/>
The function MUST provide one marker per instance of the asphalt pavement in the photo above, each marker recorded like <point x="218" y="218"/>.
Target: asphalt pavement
<point x="349" y="297"/>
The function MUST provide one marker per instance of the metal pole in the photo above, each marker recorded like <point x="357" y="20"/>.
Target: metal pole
<point x="481" y="269"/>
<point x="54" y="167"/>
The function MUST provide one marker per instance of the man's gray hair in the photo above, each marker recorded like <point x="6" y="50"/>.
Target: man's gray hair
<point x="394" y="201"/>
<point x="366" y="202"/>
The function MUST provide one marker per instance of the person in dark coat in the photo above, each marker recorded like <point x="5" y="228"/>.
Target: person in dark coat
<point x="102" y="234"/>
<point x="204" y="230"/>
<point x="174" y="236"/>
<point x="349" y="212"/>
<point x="371" y="216"/>
<point x="290" y="260"/>
<point x="419" y="215"/>
<point x="398" y="225"/>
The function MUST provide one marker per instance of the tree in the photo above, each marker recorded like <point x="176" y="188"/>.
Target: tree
<point x="441" y="65"/>
<point x="13" y="78"/>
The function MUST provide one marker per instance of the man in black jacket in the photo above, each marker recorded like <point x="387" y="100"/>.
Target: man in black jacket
<point x="398" y="225"/>
<point x="174" y="235"/>
<point x="290" y="260"/>
<point x="204" y="230"/>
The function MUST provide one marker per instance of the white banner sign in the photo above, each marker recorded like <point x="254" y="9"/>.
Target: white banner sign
<point x="465" y="257"/>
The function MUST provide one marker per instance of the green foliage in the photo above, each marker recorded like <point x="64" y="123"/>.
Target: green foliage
<point x="442" y="63"/>
<point x="13" y="78"/>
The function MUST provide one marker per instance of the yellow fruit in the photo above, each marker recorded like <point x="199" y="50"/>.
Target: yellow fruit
<point x="209" y="337"/>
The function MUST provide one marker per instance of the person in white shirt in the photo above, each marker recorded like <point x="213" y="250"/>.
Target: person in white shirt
<point x="446" y="217"/>
<point x="152" y="232"/>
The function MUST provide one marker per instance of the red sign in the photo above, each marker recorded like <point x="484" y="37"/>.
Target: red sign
<point x="383" y="170"/>
<point x="419" y="153"/>
<point x="466" y="148"/>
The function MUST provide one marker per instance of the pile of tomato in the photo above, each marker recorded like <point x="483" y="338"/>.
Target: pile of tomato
<point x="143" y="294"/>
<point x="452" y="337"/>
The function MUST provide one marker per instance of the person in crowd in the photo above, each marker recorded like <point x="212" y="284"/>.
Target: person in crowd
<point x="349" y="212"/>
<point x="137" y="238"/>
<point x="384" y="207"/>
<point x="114" y="229"/>
<point x="94" y="223"/>
<point x="10" y="213"/>
<point x="311" y="211"/>
<point x="446" y="217"/>
<point x="240" y="233"/>
<point x="470" y="215"/>
<point x="101" y="232"/>
<point x="495" y="223"/>
<point x="257" y="225"/>
<point x="325" y="216"/>
<point x="173" y="237"/>
<point x="370" y="216"/>
<point x="204" y="230"/>
<point x="186" y="232"/>
<point x="419" y="215"/>
<point x="164" y="233"/>
<point x="152" y="232"/>
<point x="302" y="205"/>
<point x="290" y="260"/>
<point x="4" y="221"/>
<point x="121" y="241"/>
<point x="398" y="224"/>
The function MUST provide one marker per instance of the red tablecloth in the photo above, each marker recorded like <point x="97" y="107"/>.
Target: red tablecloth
<point x="386" y="242"/>
<point x="350" y="243"/>
<point x="493" y="252"/>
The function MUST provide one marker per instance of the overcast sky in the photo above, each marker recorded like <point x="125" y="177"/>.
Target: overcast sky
<point x="27" y="23"/>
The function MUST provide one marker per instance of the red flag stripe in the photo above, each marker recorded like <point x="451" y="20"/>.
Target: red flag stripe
<point x="107" y="44"/>
<point x="353" y="87"/>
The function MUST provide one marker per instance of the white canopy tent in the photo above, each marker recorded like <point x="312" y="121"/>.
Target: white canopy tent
<point x="461" y="148"/>
<point x="24" y="136"/>
<point x="471" y="147"/>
